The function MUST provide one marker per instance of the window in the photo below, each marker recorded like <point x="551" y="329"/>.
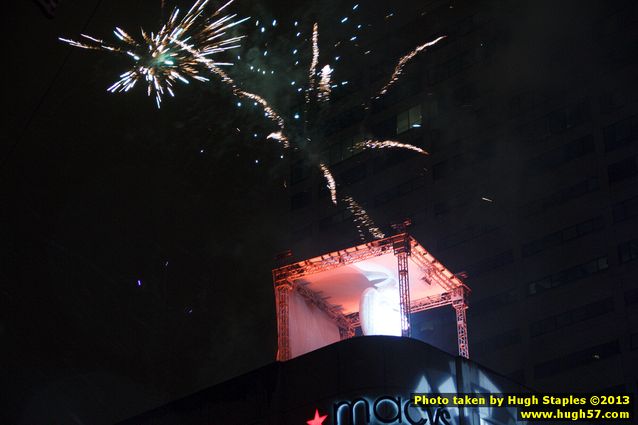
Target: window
<point x="494" y="302"/>
<point x="577" y="359"/>
<point x="569" y="275"/>
<point x="399" y="190"/>
<point x="498" y="342"/>
<point x="465" y="95"/>
<point x="611" y="101"/>
<point x="628" y="251"/>
<point x="620" y="54"/>
<point x="353" y="146"/>
<point x="620" y="134"/>
<point x="492" y="263"/>
<point x="299" y="172"/>
<point x="631" y="297"/>
<point x="344" y="120"/>
<point x="454" y="204"/>
<point x="300" y="200"/>
<point x="625" y="210"/>
<point x="524" y="102"/>
<point x="330" y="221"/>
<point x="622" y="170"/>
<point x="556" y="122"/>
<point x="354" y="174"/>
<point x="472" y="232"/>
<point x="567" y="118"/>
<point x="564" y="154"/>
<point x="336" y="153"/>
<point x="449" y="167"/>
<point x="385" y="129"/>
<point x="534" y="130"/>
<point x="454" y="66"/>
<point x="302" y="233"/>
<point x="389" y="158"/>
<point x="560" y="197"/>
<point x="562" y="236"/>
<point x="441" y="170"/>
<point x="431" y="105"/>
<point x="409" y="119"/>
<point x="571" y="317"/>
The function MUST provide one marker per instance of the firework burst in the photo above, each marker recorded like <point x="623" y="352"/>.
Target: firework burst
<point x="161" y="60"/>
<point x="182" y="50"/>
<point x="322" y="94"/>
<point x="318" y="89"/>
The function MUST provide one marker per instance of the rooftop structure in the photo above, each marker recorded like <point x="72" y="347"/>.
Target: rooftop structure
<point x="375" y="286"/>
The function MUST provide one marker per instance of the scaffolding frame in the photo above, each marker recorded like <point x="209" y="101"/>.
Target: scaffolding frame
<point x="404" y="247"/>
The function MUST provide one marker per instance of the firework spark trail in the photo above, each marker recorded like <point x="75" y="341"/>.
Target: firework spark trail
<point x="158" y="59"/>
<point x="402" y="62"/>
<point x="280" y="137"/>
<point x="361" y="219"/>
<point x="330" y="180"/>
<point x="324" y="84"/>
<point x="268" y="110"/>
<point x="274" y="116"/>
<point x="312" y="72"/>
<point x="391" y="144"/>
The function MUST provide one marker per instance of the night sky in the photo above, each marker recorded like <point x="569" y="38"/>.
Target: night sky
<point x="138" y="243"/>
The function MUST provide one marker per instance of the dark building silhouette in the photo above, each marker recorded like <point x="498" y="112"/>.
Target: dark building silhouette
<point x="529" y="112"/>
<point x="358" y="381"/>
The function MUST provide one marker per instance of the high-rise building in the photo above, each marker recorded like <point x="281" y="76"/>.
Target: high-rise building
<point x="530" y="115"/>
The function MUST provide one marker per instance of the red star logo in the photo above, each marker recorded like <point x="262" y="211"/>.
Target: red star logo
<point x="317" y="420"/>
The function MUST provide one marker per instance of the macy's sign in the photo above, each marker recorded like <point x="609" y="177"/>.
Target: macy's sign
<point x="387" y="410"/>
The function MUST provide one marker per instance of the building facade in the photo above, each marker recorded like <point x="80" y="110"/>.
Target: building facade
<point x="530" y="116"/>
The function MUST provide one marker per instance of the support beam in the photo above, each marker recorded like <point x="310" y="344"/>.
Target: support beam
<point x="333" y="312"/>
<point x="401" y="247"/>
<point x="283" y="312"/>
<point x="460" y="306"/>
<point x="434" y="301"/>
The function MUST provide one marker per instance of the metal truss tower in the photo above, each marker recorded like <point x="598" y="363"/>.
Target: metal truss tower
<point x="459" y="304"/>
<point x="401" y="248"/>
<point x="282" y="291"/>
